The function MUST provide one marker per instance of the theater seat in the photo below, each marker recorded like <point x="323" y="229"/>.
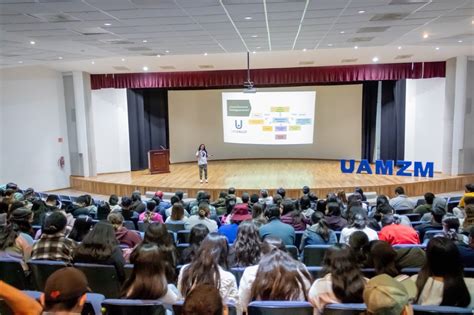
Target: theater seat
<point x="42" y="269"/>
<point x="315" y="271"/>
<point x="279" y="308"/>
<point x="180" y="249"/>
<point x="430" y="310"/>
<point x="292" y="250"/>
<point x="178" y="308"/>
<point x="298" y="237"/>
<point x="344" y="309"/>
<point x="313" y="254"/>
<point x="183" y="236"/>
<point x="129" y="225"/>
<point x="175" y="227"/>
<point x="102" y="279"/>
<point x="132" y="307"/>
<point x="12" y="273"/>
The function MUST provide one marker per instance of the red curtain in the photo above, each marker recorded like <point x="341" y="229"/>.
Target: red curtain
<point x="271" y="77"/>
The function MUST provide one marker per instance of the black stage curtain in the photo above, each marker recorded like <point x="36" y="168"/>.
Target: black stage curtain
<point x="392" y="132"/>
<point x="369" y="116"/>
<point x="147" y="123"/>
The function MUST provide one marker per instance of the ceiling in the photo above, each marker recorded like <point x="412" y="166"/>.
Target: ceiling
<point x="111" y="36"/>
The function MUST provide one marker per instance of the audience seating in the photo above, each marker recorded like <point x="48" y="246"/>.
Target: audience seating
<point x="338" y="235"/>
<point x="292" y="250"/>
<point x="102" y="279"/>
<point x="12" y="273"/>
<point x="430" y="234"/>
<point x="42" y="269"/>
<point x="344" y="309"/>
<point x="132" y="307"/>
<point x="420" y="202"/>
<point x="279" y="308"/>
<point x="180" y="248"/>
<point x="298" y="236"/>
<point x="403" y="211"/>
<point x="175" y="227"/>
<point x="315" y="271"/>
<point x="183" y="236"/>
<point x="413" y="217"/>
<point x="129" y="225"/>
<point x="178" y="308"/>
<point x="448" y="310"/>
<point x="313" y="254"/>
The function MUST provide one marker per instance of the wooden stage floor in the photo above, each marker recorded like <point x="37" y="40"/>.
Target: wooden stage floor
<point x="322" y="176"/>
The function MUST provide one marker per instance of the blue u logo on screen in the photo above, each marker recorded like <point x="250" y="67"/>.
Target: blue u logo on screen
<point x="237" y="124"/>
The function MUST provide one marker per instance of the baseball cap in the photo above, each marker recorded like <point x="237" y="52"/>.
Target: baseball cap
<point x="159" y="194"/>
<point x="65" y="284"/>
<point x="384" y="295"/>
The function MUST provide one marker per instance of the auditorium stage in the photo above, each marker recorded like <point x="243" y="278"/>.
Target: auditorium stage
<point x="322" y="176"/>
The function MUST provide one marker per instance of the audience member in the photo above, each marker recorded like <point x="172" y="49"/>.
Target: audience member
<point x="53" y="244"/>
<point x="83" y="206"/>
<point x="467" y="251"/>
<point x="275" y="227"/>
<point x="204" y="299"/>
<point x="451" y="229"/>
<point x="208" y="267"/>
<point x="333" y="217"/>
<point x="358" y="223"/>
<point x="240" y="214"/>
<point x="265" y="198"/>
<point x="15" y="244"/>
<point x="114" y="202"/>
<point x="246" y="249"/>
<point x="149" y="215"/>
<point x="65" y="292"/>
<point x="205" y="198"/>
<point x="318" y="233"/>
<point x="23" y="218"/>
<point x="401" y="201"/>
<point x="196" y="236"/>
<point x="231" y="195"/>
<point x="258" y="214"/>
<point x="148" y="280"/>
<point x="177" y="215"/>
<point x="341" y="196"/>
<point x="395" y="233"/>
<point x="82" y="226"/>
<point x="305" y="207"/>
<point x="435" y="224"/>
<point x="103" y="211"/>
<point x="220" y="203"/>
<point x="359" y="243"/>
<point x="361" y="193"/>
<point x="123" y="235"/>
<point x="202" y="217"/>
<point x="426" y="207"/>
<point x="167" y="212"/>
<point x="125" y="209"/>
<point x="468" y="193"/>
<point x="18" y="302"/>
<point x="334" y="286"/>
<point x="383" y="208"/>
<point x="100" y="246"/>
<point x="441" y="281"/>
<point x="384" y="295"/>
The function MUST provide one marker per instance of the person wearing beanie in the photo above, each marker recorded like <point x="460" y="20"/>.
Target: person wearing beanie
<point x="53" y="244"/>
<point x="383" y="295"/>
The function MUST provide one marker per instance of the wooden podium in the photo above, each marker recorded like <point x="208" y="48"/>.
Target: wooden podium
<point x="159" y="161"/>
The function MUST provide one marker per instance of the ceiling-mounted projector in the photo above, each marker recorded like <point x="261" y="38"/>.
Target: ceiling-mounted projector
<point x="248" y="85"/>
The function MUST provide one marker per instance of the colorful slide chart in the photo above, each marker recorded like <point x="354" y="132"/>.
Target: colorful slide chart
<point x="272" y="118"/>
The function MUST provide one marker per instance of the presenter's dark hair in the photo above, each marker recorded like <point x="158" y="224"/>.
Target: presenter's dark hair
<point x="199" y="148"/>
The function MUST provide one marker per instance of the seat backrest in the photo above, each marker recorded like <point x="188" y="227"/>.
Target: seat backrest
<point x="413" y="216"/>
<point x="12" y="272"/>
<point x="183" y="236"/>
<point x="313" y="254"/>
<point x="180" y="249"/>
<point x="292" y="250"/>
<point x="178" y="308"/>
<point x="403" y="211"/>
<point x="469" y="272"/>
<point x="431" y="309"/>
<point x="142" y="226"/>
<point x="102" y="279"/>
<point x="430" y="234"/>
<point x="42" y="269"/>
<point x="175" y="227"/>
<point x="129" y="225"/>
<point x="344" y="309"/>
<point x="315" y="271"/>
<point x="132" y="307"/>
<point x="279" y="308"/>
<point x="298" y="237"/>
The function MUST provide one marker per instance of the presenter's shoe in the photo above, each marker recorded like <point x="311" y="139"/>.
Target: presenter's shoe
<point x="206" y="181"/>
<point x="200" y="181"/>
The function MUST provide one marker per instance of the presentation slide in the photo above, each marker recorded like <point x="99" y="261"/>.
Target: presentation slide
<point x="273" y="118"/>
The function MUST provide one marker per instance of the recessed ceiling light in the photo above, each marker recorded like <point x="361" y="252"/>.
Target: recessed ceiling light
<point x="145" y="68"/>
<point x="425" y="35"/>
<point x="167" y="51"/>
<point x="93" y="62"/>
<point x="248" y="18"/>
<point x="341" y="32"/>
<point x="123" y="59"/>
<point x="361" y="12"/>
<point x="145" y="41"/>
<point x="107" y="24"/>
<point x="330" y="45"/>
<point x="437" y="48"/>
<point x="399" y="47"/>
<point x="304" y="49"/>
<point x="254" y="36"/>
<point x="20" y="61"/>
<point x="32" y="42"/>
<point x="60" y="58"/>
<point x="205" y="54"/>
<point x="254" y="52"/>
<point x="375" y="59"/>
<point x="459" y="41"/>
<point x="356" y="47"/>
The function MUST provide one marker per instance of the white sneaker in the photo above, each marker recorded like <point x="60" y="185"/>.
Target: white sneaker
<point x="200" y="181"/>
<point x="206" y="181"/>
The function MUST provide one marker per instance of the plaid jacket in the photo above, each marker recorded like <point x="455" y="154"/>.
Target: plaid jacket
<point x="53" y="247"/>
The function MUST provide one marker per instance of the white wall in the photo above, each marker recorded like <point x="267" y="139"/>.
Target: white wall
<point x="110" y="120"/>
<point x="424" y="121"/>
<point x="33" y="118"/>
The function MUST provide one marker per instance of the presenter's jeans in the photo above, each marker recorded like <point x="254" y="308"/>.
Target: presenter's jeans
<point x="203" y="168"/>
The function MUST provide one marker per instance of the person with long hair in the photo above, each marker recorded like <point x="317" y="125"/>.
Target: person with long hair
<point x="202" y="217"/>
<point x="177" y="214"/>
<point x="100" y="246"/>
<point x="292" y="216"/>
<point x="15" y="244"/>
<point x="209" y="267"/>
<point x="148" y="278"/>
<point x="440" y="280"/>
<point x="334" y="217"/>
<point x="204" y="299"/>
<point x="341" y="282"/>
<point x="358" y="223"/>
<point x="82" y="226"/>
<point x="202" y="155"/>
<point x="196" y="236"/>
<point x="157" y="234"/>
<point x="359" y="243"/>
<point x="277" y="276"/>
<point x="246" y="249"/>
<point x="318" y="233"/>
